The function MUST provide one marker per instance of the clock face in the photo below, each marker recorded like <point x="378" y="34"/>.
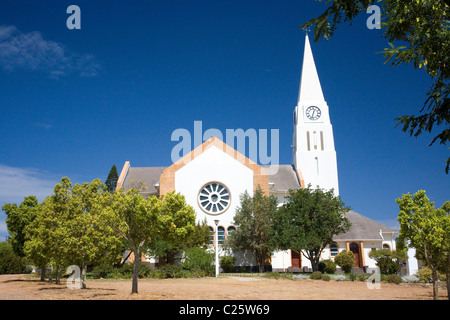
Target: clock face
<point x="313" y="113"/>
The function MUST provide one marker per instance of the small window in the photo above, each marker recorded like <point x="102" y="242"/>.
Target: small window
<point x="230" y="230"/>
<point x="321" y="140"/>
<point x="386" y="246"/>
<point x="211" y="235"/>
<point x="308" y="143"/>
<point x="221" y="235"/>
<point x="334" y="250"/>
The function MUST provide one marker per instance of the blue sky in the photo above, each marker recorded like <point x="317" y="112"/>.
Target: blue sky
<point x="74" y="102"/>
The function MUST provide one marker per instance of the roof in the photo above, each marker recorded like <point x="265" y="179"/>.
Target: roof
<point x="286" y="178"/>
<point x="363" y="228"/>
<point x="148" y="175"/>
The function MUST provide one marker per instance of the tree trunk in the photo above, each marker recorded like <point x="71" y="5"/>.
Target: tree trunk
<point x="137" y="258"/>
<point x="435" y="283"/>
<point x="261" y="263"/>
<point x="43" y="273"/>
<point x="83" y="274"/>
<point x="58" y="275"/>
<point x="448" y="276"/>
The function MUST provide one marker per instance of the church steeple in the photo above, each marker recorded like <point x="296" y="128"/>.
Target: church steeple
<point x="310" y="89"/>
<point x="313" y="142"/>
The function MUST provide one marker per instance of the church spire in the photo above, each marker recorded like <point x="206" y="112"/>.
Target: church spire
<point x="310" y="89"/>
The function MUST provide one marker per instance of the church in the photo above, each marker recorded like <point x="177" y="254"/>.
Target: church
<point x="214" y="175"/>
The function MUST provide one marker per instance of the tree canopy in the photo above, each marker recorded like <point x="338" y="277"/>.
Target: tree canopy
<point x="308" y="221"/>
<point x="426" y="229"/>
<point x="253" y="221"/>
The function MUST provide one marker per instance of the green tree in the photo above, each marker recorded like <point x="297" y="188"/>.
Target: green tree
<point x="133" y="218"/>
<point x="422" y="30"/>
<point x="87" y="240"/>
<point x="253" y="220"/>
<point x="18" y="217"/>
<point x="308" y="221"/>
<point x="388" y="261"/>
<point x="111" y="180"/>
<point x="426" y="229"/>
<point x="10" y="262"/>
<point x="176" y="228"/>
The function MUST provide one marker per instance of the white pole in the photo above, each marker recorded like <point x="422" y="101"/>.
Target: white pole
<point x="217" y="247"/>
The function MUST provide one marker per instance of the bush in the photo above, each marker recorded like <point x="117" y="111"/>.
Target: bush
<point x="174" y="271"/>
<point x="394" y="278"/>
<point x="10" y="263"/>
<point x="426" y="275"/>
<point x="362" y="277"/>
<point x="199" y="261"/>
<point x="352" y="276"/>
<point x="326" y="278"/>
<point x="316" y="275"/>
<point x="410" y="279"/>
<point x="340" y="277"/>
<point x="346" y="260"/>
<point x="329" y="266"/>
<point x="273" y="275"/>
<point x="227" y="263"/>
<point x="101" y="271"/>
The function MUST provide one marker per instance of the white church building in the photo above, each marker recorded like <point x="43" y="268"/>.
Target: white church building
<point x="214" y="175"/>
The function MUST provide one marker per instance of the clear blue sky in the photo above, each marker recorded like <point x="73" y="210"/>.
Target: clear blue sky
<point x="74" y="102"/>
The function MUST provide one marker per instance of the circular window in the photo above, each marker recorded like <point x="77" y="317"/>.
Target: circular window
<point x="214" y="198"/>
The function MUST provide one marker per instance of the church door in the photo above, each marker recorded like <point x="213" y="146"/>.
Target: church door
<point x="295" y="259"/>
<point x="355" y="249"/>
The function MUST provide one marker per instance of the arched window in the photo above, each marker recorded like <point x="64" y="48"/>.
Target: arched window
<point x="230" y="230"/>
<point x="221" y="234"/>
<point x="386" y="246"/>
<point x="334" y="250"/>
<point x="211" y="236"/>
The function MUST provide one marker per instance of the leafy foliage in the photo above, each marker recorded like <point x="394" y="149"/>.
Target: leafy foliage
<point x="254" y="220"/>
<point x="308" y="221"/>
<point x="427" y="229"/>
<point x="346" y="260"/>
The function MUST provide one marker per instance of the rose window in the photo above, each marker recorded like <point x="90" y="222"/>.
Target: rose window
<point x="214" y="198"/>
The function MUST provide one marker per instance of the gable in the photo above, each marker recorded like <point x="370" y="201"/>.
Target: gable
<point x="230" y="155"/>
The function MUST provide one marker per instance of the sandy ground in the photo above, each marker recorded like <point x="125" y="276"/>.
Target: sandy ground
<point x="25" y="287"/>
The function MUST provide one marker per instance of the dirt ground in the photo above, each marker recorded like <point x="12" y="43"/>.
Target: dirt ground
<point x="26" y="287"/>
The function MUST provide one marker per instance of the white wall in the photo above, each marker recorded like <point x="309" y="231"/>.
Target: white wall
<point x="214" y="165"/>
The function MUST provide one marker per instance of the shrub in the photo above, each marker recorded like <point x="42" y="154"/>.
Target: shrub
<point x="362" y="277"/>
<point x="346" y="260"/>
<point x="300" y="276"/>
<point x="199" y="261"/>
<point x="326" y="278"/>
<point x="410" y="279"/>
<point x="352" y="276"/>
<point x="101" y="271"/>
<point x="394" y="278"/>
<point x="227" y="263"/>
<point x="316" y="275"/>
<point x="329" y="266"/>
<point x="425" y="275"/>
<point x="340" y="277"/>
<point x="173" y="271"/>
<point x="273" y="275"/>
<point x="11" y="263"/>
